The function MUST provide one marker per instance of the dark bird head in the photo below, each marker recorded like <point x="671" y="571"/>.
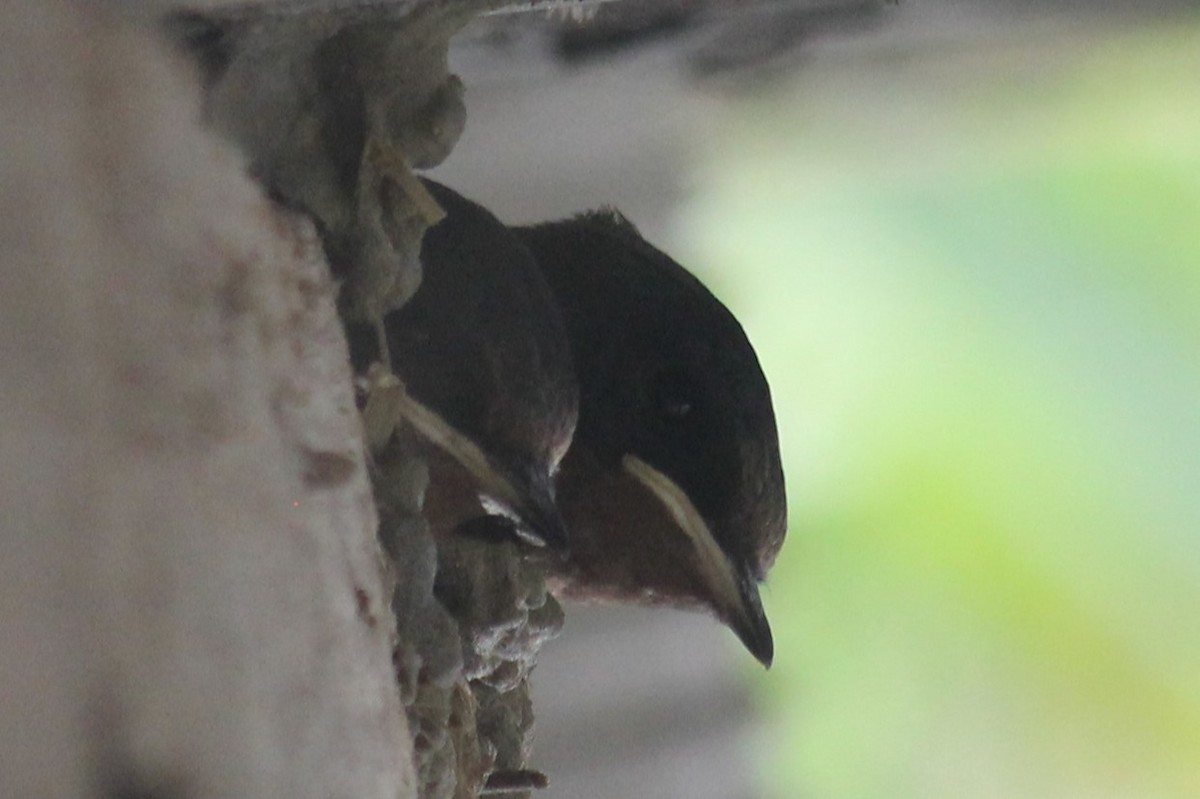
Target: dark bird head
<point x="482" y="352"/>
<point x="672" y="490"/>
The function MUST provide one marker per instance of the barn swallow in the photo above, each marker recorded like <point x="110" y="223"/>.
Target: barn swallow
<point x="482" y="353"/>
<point x="673" y="489"/>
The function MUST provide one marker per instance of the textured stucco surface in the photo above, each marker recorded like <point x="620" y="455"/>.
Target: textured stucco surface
<point x="191" y="592"/>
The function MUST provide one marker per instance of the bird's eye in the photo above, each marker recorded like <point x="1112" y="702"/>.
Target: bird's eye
<point x="672" y="396"/>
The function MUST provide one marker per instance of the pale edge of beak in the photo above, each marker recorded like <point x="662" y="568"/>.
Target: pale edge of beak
<point x="734" y="591"/>
<point x="498" y="494"/>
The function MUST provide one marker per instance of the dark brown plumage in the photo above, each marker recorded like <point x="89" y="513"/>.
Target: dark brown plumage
<point x="672" y="490"/>
<point x="482" y="346"/>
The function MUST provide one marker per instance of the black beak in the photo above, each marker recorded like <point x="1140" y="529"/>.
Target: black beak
<point x="751" y="625"/>
<point x="526" y="500"/>
<point x="541" y="522"/>
<point x="524" y="495"/>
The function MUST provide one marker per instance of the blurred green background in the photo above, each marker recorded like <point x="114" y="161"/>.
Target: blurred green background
<point x="972" y="274"/>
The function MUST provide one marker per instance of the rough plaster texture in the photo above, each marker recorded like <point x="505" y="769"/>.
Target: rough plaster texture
<point x="191" y="594"/>
<point x="193" y="598"/>
<point x="333" y="109"/>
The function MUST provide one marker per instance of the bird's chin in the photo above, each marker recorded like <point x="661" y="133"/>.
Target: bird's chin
<point x="636" y="537"/>
<point x="564" y="586"/>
